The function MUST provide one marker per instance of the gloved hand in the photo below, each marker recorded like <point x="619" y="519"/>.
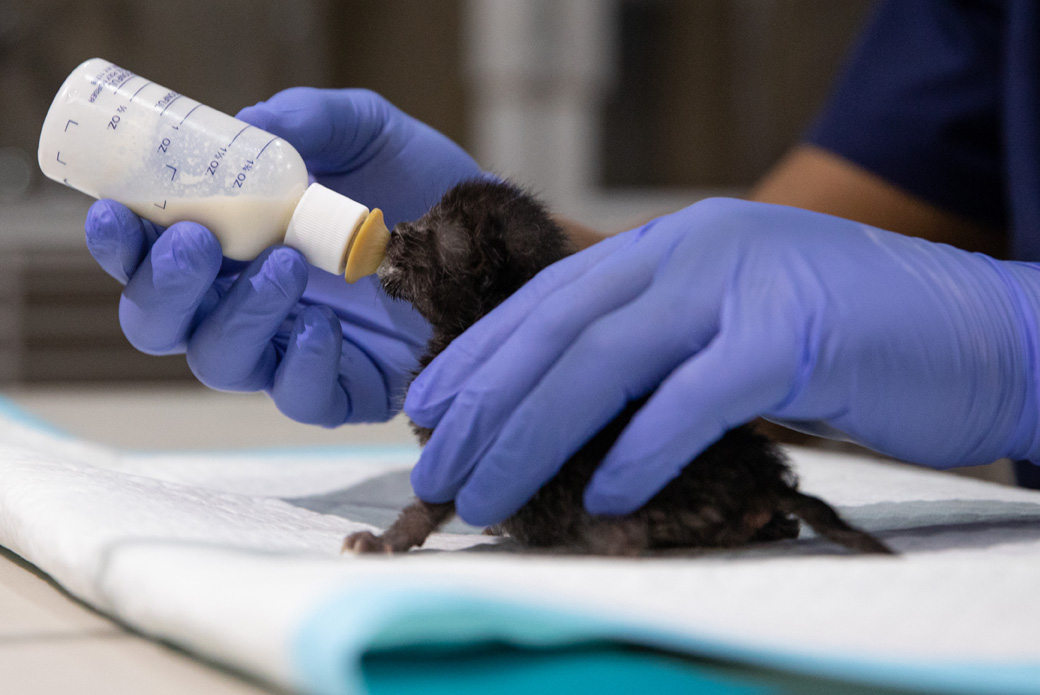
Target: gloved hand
<point x="327" y="352"/>
<point x="729" y="310"/>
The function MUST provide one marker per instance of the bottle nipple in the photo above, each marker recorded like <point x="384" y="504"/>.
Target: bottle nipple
<point x="367" y="247"/>
<point x="337" y="234"/>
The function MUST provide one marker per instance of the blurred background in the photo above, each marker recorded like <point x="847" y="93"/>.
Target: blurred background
<point x="614" y="110"/>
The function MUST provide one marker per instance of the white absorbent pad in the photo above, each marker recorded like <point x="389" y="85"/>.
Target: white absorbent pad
<point x="236" y="557"/>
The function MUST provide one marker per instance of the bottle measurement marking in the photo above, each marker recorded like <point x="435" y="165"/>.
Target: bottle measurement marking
<point x="169" y="103"/>
<point x="117" y="88"/>
<point x="212" y="168"/>
<point x="119" y="84"/>
<point x="178" y="126"/>
<point x="114" y="123"/>
<point x="241" y="178"/>
<point x="139" y="90"/>
<point x="58" y="156"/>
<point x="174" y="171"/>
<point x="112" y="76"/>
<point x="237" y="134"/>
<point x="264" y="148"/>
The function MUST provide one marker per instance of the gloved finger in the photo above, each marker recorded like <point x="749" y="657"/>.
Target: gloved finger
<point x="740" y="375"/>
<point x="161" y="301"/>
<point x="306" y="384"/>
<point x="607" y="367"/>
<point x="383" y="339"/>
<point x="331" y="130"/>
<point x="117" y="238"/>
<point x="485" y="401"/>
<point x="371" y="393"/>
<point x="231" y="349"/>
<point x="435" y="389"/>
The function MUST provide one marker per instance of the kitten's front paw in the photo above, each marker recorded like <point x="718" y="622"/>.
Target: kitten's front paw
<point x="364" y="542"/>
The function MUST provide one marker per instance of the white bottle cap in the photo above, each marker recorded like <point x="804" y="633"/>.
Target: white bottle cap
<point x="322" y="227"/>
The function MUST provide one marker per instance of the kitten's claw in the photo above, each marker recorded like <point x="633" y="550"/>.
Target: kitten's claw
<point x="365" y="542"/>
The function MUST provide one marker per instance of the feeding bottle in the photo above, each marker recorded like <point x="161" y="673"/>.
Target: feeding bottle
<point x="113" y="134"/>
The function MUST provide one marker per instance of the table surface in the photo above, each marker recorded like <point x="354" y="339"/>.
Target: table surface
<point x="51" y="643"/>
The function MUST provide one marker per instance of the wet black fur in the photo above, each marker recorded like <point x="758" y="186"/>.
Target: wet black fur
<point x="472" y="250"/>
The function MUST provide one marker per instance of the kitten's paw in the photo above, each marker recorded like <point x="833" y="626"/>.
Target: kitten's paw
<point x="366" y="542"/>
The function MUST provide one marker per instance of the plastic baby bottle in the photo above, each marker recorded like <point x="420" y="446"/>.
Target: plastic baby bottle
<point x="113" y="134"/>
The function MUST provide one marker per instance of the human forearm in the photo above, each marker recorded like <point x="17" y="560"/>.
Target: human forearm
<point x="815" y="179"/>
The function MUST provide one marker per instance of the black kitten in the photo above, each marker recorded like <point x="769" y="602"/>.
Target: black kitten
<point x="472" y="250"/>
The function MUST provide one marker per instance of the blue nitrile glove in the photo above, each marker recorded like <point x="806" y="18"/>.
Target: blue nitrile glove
<point x="731" y="310"/>
<point x="326" y="351"/>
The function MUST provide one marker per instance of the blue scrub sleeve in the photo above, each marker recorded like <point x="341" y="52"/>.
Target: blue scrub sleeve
<point x="919" y="104"/>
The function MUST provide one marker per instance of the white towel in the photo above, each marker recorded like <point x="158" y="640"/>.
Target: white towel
<point x="236" y="557"/>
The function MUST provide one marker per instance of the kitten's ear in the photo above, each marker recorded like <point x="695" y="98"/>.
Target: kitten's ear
<point x="453" y="245"/>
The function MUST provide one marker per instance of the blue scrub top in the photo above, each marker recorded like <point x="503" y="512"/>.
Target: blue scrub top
<point x="942" y="99"/>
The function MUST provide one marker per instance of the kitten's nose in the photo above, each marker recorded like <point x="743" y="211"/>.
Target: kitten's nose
<point x="386" y="270"/>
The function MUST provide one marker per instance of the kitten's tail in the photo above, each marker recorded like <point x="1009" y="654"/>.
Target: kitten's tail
<point x="826" y="522"/>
